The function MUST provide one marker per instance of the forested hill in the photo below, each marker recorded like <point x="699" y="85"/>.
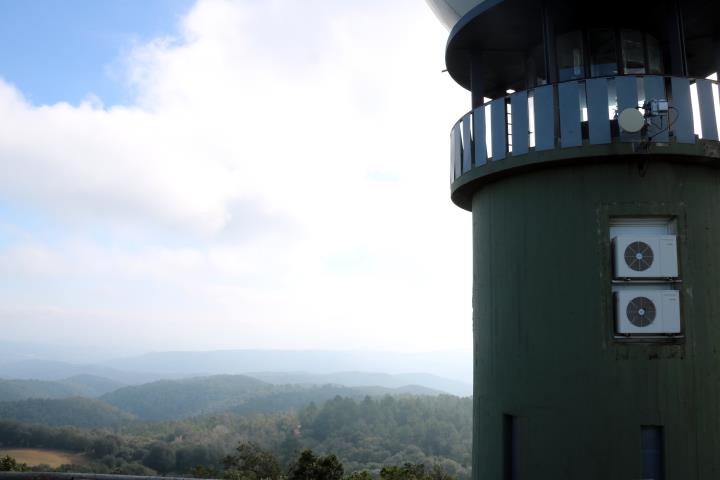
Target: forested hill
<point x="79" y="385"/>
<point x="364" y="434"/>
<point x="392" y="431"/>
<point x="172" y="399"/>
<point x="74" y="411"/>
<point x="92" y="385"/>
<point x="293" y="396"/>
<point x="12" y="390"/>
<point x="168" y="399"/>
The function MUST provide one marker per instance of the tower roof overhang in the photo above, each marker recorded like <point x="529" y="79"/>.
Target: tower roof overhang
<point x="494" y="31"/>
<point x="500" y="33"/>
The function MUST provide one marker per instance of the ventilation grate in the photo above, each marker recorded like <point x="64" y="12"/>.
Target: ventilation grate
<point x="641" y="311"/>
<point x="639" y="256"/>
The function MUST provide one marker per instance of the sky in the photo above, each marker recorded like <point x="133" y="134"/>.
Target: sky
<point x="215" y="174"/>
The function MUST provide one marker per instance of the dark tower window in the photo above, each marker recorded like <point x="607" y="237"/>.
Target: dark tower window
<point x="603" y="54"/>
<point x="633" y="52"/>
<point x="510" y="445"/>
<point x="652" y="452"/>
<point x="536" y="67"/>
<point x="655" y="58"/>
<point x="570" y="56"/>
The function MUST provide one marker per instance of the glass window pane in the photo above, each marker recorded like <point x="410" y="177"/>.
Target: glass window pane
<point x="570" y="56"/>
<point x="633" y="53"/>
<point x="652" y="452"/>
<point x="510" y="433"/>
<point x="655" y="58"/>
<point x="536" y="67"/>
<point x="603" y="58"/>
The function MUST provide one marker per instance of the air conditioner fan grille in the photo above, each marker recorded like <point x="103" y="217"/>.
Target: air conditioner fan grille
<point x="639" y="256"/>
<point x="641" y="311"/>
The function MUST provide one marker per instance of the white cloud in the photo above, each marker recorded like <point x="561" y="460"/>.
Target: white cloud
<point x="281" y="181"/>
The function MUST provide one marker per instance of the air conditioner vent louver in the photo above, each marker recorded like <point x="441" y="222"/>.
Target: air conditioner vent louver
<point x="648" y="312"/>
<point x="641" y="311"/>
<point x="639" y="256"/>
<point x="645" y="256"/>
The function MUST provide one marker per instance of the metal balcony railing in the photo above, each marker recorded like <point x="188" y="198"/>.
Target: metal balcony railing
<point x="583" y="112"/>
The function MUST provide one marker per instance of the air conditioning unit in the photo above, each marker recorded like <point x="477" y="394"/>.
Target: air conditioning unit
<point x="647" y="312"/>
<point x="645" y="256"/>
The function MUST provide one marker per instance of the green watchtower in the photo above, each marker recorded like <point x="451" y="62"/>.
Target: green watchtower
<point x="590" y="163"/>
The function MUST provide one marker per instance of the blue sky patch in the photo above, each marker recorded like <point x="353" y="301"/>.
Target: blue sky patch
<point x="62" y="51"/>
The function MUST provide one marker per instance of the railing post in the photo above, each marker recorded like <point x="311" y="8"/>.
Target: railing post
<point x="498" y="126"/>
<point x="597" y="104"/>
<point x="683" y="129"/>
<point x="627" y="97"/>
<point x="569" y="101"/>
<point x="467" y="159"/>
<point x="706" y="102"/>
<point x="520" y="123"/>
<point x="544" y="105"/>
<point x="655" y="90"/>
<point x="457" y="153"/>
<point x="479" y="142"/>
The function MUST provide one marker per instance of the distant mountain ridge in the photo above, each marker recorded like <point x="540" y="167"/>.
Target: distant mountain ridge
<point x="452" y="365"/>
<point x="52" y="370"/>
<point x="18" y="351"/>
<point x="350" y="369"/>
<point x="367" y="379"/>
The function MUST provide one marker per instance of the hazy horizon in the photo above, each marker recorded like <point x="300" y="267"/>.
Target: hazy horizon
<point x="449" y="371"/>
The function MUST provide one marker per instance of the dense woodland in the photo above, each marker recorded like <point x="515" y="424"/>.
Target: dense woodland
<point x="205" y="421"/>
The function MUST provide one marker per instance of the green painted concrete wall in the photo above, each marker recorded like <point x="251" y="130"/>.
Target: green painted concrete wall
<point x="543" y="325"/>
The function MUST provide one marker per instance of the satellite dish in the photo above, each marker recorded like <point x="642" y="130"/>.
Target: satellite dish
<point x="631" y="120"/>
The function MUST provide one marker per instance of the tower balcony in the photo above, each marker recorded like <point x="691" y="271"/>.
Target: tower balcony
<point x="577" y="121"/>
